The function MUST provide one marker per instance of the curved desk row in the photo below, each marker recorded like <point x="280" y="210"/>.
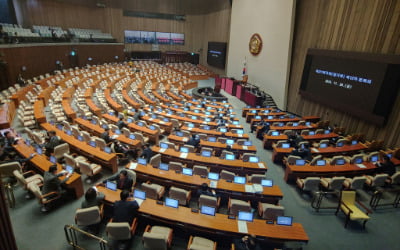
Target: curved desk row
<point x="270" y="139"/>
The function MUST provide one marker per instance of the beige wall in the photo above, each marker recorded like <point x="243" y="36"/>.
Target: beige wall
<point x="272" y="19"/>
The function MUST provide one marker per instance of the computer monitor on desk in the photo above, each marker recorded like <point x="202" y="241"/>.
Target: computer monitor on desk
<point x="285" y="145"/>
<point x="142" y="161"/>
<point x="245" y="216"/>
<point x="187" y="171"/>
<point x="213" y="176"/>
<point x="284" y="220"/>
<point x="169" y="202"/>
<point x="184" y="150"/>
<point x="239" y="179"/>
<point x="111" y="185"/>
<point x="207" y="210"/>
<point x="164" y="166"/>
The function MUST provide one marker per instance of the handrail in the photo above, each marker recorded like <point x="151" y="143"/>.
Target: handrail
<point x="71" y="236"/>
<point x="317" y="199"/>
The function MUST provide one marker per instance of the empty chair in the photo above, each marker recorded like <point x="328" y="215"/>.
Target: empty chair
<point x="210" y="201"/>
<point x="224" y="153"/>
<point x="227" y="175"/>
<point x="89" y="169"/>
<point x="357" y="159"/>
<point x="206" y="149"/>
<point x="341" y="142"/>
<point x="60" y="150"/>
<point x="279" y="143"/>
<point x="157" y="237"/>
<point x="100" y="142"/>
<point x="338" y="160"/>
<point x="394" y="179"/>
<point x="141" y="138"/>
<point x="28" y="178"/>
<point x="170" y="145"/>
<point x="378" y="180"/>
<point x="126" y="132"/>
<point x="88" y="216"/>
<point x="314" y="160"/>
<point x="309" y="183"/>
<point x="348" y="205"/>
<point x="153" y="191"/>
<point x="291" y="159"/>
<point x="305" y="132"/>
<point x="246" y="156"/>
<point x="44" y="200"/>
<point x="270" y="211"/>
<point x="155" y="160"/>
<point x="182" y="195"/>
<point x="235" y="206"/>
<point x="176" y="166"/>
<point x="319" y="131"/>
<point x="175" y="123"/>
<point x="200" y="170"/>
<point x="121" y="230"/>
<point x="334" y="183"/>
<point x="255" y="178"/>
<point x="202" y="137"/>
<point x="190" y="147"/>
<point x="221" y="140"/>
<point x="86" y="136"/>
<point x="356" y="183"/>
<point x="196" y="243"/>
<point x="7" y="169"/>
<point x="132" y="175"/>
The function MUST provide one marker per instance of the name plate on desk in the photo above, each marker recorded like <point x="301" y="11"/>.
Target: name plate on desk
<point x="240" y="135"/>
<point x="315" y="150"/>
<point x="245" y="147"/>
<point x="162" y="122"/>
<point x="242" y="226"/>
<point x="183" y="155"/>
<point x="213" y="184"/>
<point x="261" y="165"/>
<point x="248" y="188"/>
<point x="361" y="165"/>
<point x="258" y="188"/>
<point x="162" y="150"/>
<point x="189" y="128"/>
<point x="133" y="165"/>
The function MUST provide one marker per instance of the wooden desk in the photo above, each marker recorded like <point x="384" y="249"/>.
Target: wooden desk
<point x="38" y="111"/>
<point x="235" y="147"/>
<point x="292" y="172"/>
<point x="167" y="126"/>
<point x="7" y="113"/>
<point x="216" y="164"/>
<point x="236" y="136"/>
<point x="247" y="110"/>
<point x="94" y="154"/>
<point x="212" y="224"/>
<point x="300" y="127"/>
<point x="42" y="164"/>
<point x="228" y="189"/>
<point x="202" y="131"/>
<point x="270" y="139"/>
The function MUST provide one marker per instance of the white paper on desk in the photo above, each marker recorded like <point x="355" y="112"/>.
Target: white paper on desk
<point x="361" y="165"/>
<point x="183" y="155"/>
<point x="133" y="165"/>
<point x="240" y="135"/>
<point x="245" y="147"/>
<point x="189" y="128"/>
<point x="261" y="165"/>
<point x="185" y="139"/>
<point x="242" y="226"/>
<point x="114" y="136"/>
<point x="162" y="122"/>
<point x="162" y="150"/>
<point x="213" y="184"/>
<point x="150" y="119"/>
<point x="258" y="188"/>
<point x="248" y="188"/>
<point x="139" y="201"/>
<point x="315" y="150"/>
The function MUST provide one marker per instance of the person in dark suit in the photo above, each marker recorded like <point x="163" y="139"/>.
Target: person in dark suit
<point x="124" y="210"/>
<point x="122" y="179"/>
<point x="8" y="148"/>
<point x="387" y="166"/>
<point x="53" y="142"/>
<point x="52" y="183"/>
<point x="306" y="153"/>
<point x="106" y="136"/>
<point x="121" y="124"/>
<point x="204" y="189"/>
<point x="147" y="153"/>
<point x="92" y="198"/>
<point x="194" y="141"/>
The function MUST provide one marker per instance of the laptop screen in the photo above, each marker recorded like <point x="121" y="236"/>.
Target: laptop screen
<point x="140" y="124"/>
<point x="207" y="210"/>
<point x="308" y="123"/>
<point x="311" y="133"/>
<point x="39" y="150"/>
<point x="59" y="127"/>
<point x="240" y="131"/>
<point x="354" y="142"/>
<point x="300" y="162"/>
<point x="253" y="159"/>
<point x="118" y="132"/>
<point x="212" y="139"/>
<point x="187" y="171"/>
<point x="164" y="166"/>
<point x="179" y="133"/>
<point x="223" y="130"/>
<point x="374" y="158"/>
<point x="194" y="117"/>
<point x="171" y="202"/>
<point x="184" y="150"/>
<point x="327" y="131"/>
<point x="358" y="160"/>
<point x="104" y="126"/>
<point x="229" y="157"/>
<point x="132" y="136"/>
<point x="267" y="183"/>
<point x="190" y="125"/>
<point x="69" y="169"/>
<point x="230" y="141"/>
<point x="129" y="120"/>
<point x="163" y="145"/>
<point x="213" y="176"/>
<point x="53" y="159"/>
<point x="152" y="127"/>
<point x="111" y="185"/>
<point x="321" y="163"/>
<point x="69" y="132"/>
<point x="239" y="179"/>
<point x="254" y="111"/>
<point x="206" y="153"/>
<point x="28" y="142"/>
<point x="295" y="124"/>
<point x="389" y="156"/>
<point x="94" y="122"/>
<point x="285" y="145"/>
<point x="284" y="220"/>
<point x="275" y="133"/>
<point x="142" y="161"/>
<point x="80" y="138"/>
<point x="153" y="116"/>
<point x="107" y="150"/>
<point x="206" y="127"/>
<point x="92" y="143"/>
<point x="139" y="194"/>
<point x="245" y="216"/>
<point x="340" y="144"/>
<point x="207" y="119"/>
<point x="166" y="120"/>
<point x="247" y="143"/>
<point x="257" y="117"/>
<point x="323" y="145"/>
<point x="340" y="162"/>
<point x="235" y="122"/>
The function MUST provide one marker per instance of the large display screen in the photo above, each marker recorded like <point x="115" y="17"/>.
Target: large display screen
<point x="363" y="85"/>
<point x="151" y="37"/>
<point x="216" y="54"/>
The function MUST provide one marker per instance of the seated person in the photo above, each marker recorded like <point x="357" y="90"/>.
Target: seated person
<point x="194" y="141"/>
<point x="106" y="136"/>
<point x="52" y="183"/>
<point x="263" y="130"/>
<point x="386" y="167"/>
<point x="247" y="242"/>
<point x="53" y="142"/>
<point x="296" y="151"/>
<point x="137" y="116"/>
<point x="8" y="148"/>
<point x="292" y="141"/>
<point x="147" y="153"/>
<point x="92" y="198"/>
<point x="306" y="153"/>
<point x="121" y="124"/>
<point x="129" y="153"/>
<point x="122" y="179"/>
<point x="204" y="189"/>
<point x="124" y="210"/>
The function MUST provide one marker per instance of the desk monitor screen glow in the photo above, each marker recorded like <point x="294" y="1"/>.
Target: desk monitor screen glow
<point x="164" y="166"/>
<point x="196" y="111"/>
<point x="323" y="145"/>
<point x="107" y="150"/>
<point x="132" y="136"/>
<point x="253" y="159"/>
<point x="340" y="144"/>
<point x="140" y="124"/>
<point x="111" y="185"/>
<point x="69" y="132"/>
<point x="129" y="120"/>
<point x="53" y="159"/>
<point x="354" y="142"/>
<point x="235" y="122"/>
<point x="358" y="160"/>
<point x="340" y="162"/>
<point x="257" y="117"/>
<point x="267" y="183"/>
<point x="80" y="138"/>
<point x="245" y="216"/>
<point x="213" y="176"/>
<point x="247" y="143"/>
<point x="186" y="109"/>
<point x="206" y="127"/>
<point x="295" y="124"/>
<point x="104" y="126"/>
<point x="171" y="202"/>
<point x="374" y="158"/>
<point x="153" y="116"/>
<point x="139" y="194"/>
<point x="184" y="150"/>
<point x="207" y="119"/>
<point x="118" y="132"/>
<point x="275" y="133"/>
<point x="163" y="145"/>
<point x="187" y="171"/>
<point x="142" y="161"/>
<point x="240" y="131"/>
<point x="212" y="139"/>
<point x="92" y="143"/>
<point x="208" y="113"/>
<point x="300" y="162"/>
<point x="311" y="133"/>
<point x="239" y="179"/>
<point x="165" y="119"/>
<point x="194" y="117"/>
<point x="94" y="122"/>
<point x="253" y="111"/>
<point x="206" y="153"/>
<point x="229" y="157"/>
<point x="230" y="141"/>
<point x="223" y="130"/>
<point x="321" y="163"/>
<point x="284" y="220"/>
<point x="285" y="145"/>
<point x="39" y="150"/>
<point x="190" y="125"/>
<point x="60" y="127"/>
<point x="179" y="133"/>
<point x="69" y="169"/>
<point x="207" y="210"/>
<point x="152" y="127"/>
<point x="389" y="156"/>
<point x="327" y="131"/>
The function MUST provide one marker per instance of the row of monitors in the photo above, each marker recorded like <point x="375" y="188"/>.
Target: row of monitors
<point x="374" y="158"/>
<point x="207" y="210"/>
<point x="152" y="37"/>
<point x="322" y="145"/>
<point x="254" y="111"/>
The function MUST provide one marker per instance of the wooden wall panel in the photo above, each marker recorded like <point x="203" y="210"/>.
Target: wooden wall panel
<point x="359" y="25"/>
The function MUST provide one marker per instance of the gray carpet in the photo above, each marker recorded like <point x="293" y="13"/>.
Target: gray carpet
<point x="36" y="230"/>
